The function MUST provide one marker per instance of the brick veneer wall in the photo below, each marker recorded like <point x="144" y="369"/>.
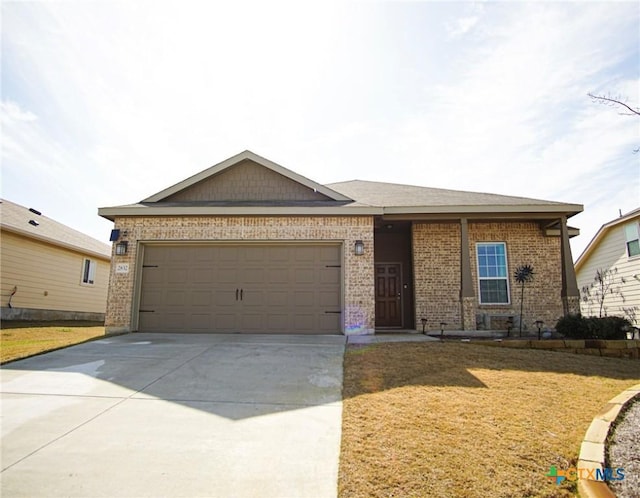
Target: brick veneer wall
<point x="436" y="256"/>
<point x="359" y="301"/>
<point x="436" y="273"/>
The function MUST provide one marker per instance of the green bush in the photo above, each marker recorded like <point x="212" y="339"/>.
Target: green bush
<point x="579" y="327"/>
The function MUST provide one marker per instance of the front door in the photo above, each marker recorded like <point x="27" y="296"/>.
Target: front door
<point x="388" y="295"/>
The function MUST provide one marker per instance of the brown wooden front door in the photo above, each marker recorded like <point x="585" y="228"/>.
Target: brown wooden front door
<point x="388" y="295"/>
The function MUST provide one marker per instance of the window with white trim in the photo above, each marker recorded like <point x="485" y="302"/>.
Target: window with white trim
<point x="492" y="272"/>
<point x="632" y="233"/>
<point x="88" y="271"/>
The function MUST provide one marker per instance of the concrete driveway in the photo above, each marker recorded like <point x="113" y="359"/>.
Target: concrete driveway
<point x="168" y="415"/>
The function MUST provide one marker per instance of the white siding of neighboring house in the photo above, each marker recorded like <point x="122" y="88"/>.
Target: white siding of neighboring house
<point x="611" y="252"/>
<point x="49" y="277"/>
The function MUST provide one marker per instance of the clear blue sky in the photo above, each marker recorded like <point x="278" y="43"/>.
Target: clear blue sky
<point x="105" y="103"/>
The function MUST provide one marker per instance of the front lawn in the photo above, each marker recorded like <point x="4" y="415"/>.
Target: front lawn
<point x="462" y="420"/>
<point x="19" y="340"/>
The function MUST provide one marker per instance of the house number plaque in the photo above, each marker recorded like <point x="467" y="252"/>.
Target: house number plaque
<point x="122" y="268"/>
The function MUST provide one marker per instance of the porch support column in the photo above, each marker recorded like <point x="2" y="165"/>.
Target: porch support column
<point x="467" y="294"/>
<point x="570" y="294"/>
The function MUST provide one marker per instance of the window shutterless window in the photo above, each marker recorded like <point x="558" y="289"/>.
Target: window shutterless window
<point x="88" y="271"/>
<point x="492" y="272"/>
<point x="633" y="238"/>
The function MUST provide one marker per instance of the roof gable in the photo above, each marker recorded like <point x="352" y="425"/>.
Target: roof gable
<point x="602" y="233"/>
<point x="246" y="177"/>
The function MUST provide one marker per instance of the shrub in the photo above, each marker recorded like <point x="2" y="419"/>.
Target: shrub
<point x="579" y="327"/>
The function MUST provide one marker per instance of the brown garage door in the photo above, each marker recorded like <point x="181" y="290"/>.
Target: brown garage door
<point x="241" y="288"/>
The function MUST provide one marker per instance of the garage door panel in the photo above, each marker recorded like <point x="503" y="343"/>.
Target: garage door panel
<point x="329" y="321"/>
<point x="277" y="255"/>
<point x="151" y="298"/>
<point x="175" y="321"/>
<point x="175" y="297"/>
<point x="201" y="298"/>
<point x="277" y="298"/>
<point x="329" y="276"/>
<point x="151" y="275"/>
<point x="329" y="300"/>
<point x="304" y="276"/>
<point x="178" y="276"/>
<point x="201" y="275"/>
<point x="278" y="321"/>
<point x="226" y="254"/>
<point x="304" y="322"/>
<point x="201" y="321"/>
<point x="277" y="275"/>
<point x="226" y="275"/>
<point x="305" y="299"/>
<point x="225" y="322"/>
<point x="252" y="276"/>
<point x="251" y="322"/>
<point x="241" y="288"/>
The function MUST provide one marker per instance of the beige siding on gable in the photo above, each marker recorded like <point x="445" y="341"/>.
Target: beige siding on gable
<point x="611" y="253"/>
<point x="49" y="277"/>
<point x="247" y="181"/>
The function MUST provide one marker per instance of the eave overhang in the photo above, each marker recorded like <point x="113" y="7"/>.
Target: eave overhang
<point x="417" y="213"/>
<point x="55" y="242"/>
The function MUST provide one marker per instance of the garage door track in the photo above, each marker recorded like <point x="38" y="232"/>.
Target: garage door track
<point x="168" y="415"/>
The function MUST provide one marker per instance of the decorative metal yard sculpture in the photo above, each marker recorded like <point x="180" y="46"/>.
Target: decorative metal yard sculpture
<point x="523" y="275"/>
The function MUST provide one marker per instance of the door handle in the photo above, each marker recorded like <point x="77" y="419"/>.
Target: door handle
<point x="236" y="294"/>
<point x="241" y="292"/>
<point x="398" y="295"/>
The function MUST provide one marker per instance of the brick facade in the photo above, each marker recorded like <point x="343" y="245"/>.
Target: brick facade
<point x="357" y="270"/>
<point x="436" y="265"/>
<point x="436" y="256"/>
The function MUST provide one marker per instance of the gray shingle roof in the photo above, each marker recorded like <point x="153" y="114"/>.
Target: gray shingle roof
<point x="15" y="218"/>
<point x="397" y="195"/>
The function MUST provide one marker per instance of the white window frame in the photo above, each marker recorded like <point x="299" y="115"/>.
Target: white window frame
<point x="631" y="234"/>
<point x="506" y="277"/>
<point x="88" y="275"/>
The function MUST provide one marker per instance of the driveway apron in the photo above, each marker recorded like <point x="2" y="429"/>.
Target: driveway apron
<point x="162" y="415"/>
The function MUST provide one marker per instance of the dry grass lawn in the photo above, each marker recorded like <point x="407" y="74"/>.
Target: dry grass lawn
<point x="465" y="420"/>
<point x="19" y="341"/>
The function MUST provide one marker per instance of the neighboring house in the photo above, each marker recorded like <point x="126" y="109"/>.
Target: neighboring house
<point x="250" y="246"/>
<point x="49" y="271"/>
<point x="616" y="248"/>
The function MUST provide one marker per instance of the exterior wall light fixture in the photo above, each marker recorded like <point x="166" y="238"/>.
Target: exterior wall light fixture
<point x="358" y="248"/>
<point x="121" y="248"/>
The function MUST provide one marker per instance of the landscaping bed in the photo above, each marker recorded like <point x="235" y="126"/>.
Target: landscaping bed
<point x="447" y="419"/>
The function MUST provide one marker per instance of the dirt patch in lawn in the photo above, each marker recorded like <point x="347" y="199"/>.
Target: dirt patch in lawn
<point x="461" y="420"/>
<point x="22" y="340"/>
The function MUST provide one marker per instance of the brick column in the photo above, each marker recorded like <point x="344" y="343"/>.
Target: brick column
<point x="467" y="294"/>
<point x="570" y="294"/>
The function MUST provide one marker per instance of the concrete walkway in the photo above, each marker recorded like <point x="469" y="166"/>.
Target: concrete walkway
<point x="165" y="415"/>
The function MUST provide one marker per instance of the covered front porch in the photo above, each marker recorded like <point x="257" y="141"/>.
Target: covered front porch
<point x="426" y="273"/>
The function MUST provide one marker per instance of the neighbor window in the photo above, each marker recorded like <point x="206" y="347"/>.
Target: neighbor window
<point x="88" y="271"/>
<point x="633" y="239"/>
<point x="492" y="272"/>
